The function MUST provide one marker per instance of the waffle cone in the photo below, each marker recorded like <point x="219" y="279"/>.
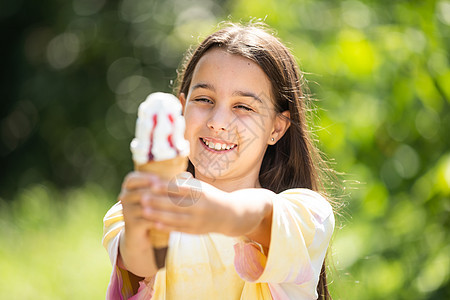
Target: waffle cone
<point x="166" y="169"/>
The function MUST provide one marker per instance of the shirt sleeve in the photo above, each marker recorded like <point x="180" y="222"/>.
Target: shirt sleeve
<point x="119" y="287"/>
<point x="302" y="225"/>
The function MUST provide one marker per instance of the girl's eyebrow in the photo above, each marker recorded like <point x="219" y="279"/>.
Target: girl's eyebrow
<point x="247" y="94"/>
<point x="202" y="85"/>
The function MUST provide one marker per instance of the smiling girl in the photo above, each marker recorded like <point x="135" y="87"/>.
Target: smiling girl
<point x="260" y="227"/>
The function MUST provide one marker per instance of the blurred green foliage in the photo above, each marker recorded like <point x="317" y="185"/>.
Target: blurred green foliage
<point x="50" y="244"/>
<point x="73" y="73"/>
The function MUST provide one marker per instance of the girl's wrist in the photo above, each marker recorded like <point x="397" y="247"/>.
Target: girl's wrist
<point x="249" y="209"/>
<point x="136" y="258"/>
<point x="231" y="223"/>
<point x="261" y="231"/>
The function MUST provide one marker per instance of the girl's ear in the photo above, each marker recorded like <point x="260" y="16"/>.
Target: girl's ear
<point x="182" y="99"/>
<point x="281" y="124"/>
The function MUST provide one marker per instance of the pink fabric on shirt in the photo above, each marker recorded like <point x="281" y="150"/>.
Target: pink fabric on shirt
<point x="249" y="261"/>
<point x="145" y="292"/>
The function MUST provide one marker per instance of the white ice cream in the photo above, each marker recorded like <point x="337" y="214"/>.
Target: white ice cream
<point x="159" y="108"/>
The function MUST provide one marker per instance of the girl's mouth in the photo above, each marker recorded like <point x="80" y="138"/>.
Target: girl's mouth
<point x="217" y="146"/>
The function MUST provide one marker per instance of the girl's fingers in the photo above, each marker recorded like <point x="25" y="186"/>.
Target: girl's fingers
<point x="173" y="203"/>
<point x="181" y="185"/>
<point x="185" y="186"/>
<point x="139" y="180"/>
<point x="136" y="185"/>
<point x="138" y="195"/>
<point x="130" y="196"/>
<point x="133" y="210"/>
<point x="134" y="217"/>
<point x="142" y="199"/>
<point x="169" y="201"/>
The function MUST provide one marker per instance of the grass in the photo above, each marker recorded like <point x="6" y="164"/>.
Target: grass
<point x="50" y="244"/>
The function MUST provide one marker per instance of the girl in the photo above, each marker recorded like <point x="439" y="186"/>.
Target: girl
<point x="259" y="229"/>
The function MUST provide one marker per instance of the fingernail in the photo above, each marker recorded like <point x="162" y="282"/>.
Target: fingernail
<point x="147" y="211"/>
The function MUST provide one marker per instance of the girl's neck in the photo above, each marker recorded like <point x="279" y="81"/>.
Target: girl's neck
<point x="231" y="184"/>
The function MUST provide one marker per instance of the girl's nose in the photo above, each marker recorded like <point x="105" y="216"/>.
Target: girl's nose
<point x="219" y="120"/>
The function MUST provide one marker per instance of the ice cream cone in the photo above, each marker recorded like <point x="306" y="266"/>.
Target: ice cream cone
<point x="159" y="147"/>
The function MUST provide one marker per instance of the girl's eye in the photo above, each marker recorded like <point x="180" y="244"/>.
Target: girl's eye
<point x="205" y="100"/>
<point x="244" y="107"/>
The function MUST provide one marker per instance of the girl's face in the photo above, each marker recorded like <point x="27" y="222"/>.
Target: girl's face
<point x="230" y="118"/>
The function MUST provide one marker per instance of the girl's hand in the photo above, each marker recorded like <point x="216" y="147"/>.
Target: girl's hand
<point x="134" y="186"/>
<point x="136" y="251"/>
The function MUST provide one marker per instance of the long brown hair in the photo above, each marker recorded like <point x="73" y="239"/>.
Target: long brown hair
<point x="294" y="161"/>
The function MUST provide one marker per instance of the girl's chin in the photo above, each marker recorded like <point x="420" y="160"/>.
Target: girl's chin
<point x="212" y="172"/>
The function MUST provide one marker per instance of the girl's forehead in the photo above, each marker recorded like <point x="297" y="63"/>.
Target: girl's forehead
<point x="220" y="57"/>
<point x="225" y="71"/>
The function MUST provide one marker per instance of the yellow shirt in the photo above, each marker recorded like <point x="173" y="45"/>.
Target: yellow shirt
<point x="214" y="266"/>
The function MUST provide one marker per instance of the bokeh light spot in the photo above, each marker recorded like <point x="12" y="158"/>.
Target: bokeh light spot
<point x="438" y="62"/>
<point x="86" y="29"/>
<point x="135" y="11"/>
<point x="436" y="271"/>
<point x="427" y="123"/>
<point x="63" y="50"/>
<point x="389" y="174"/>
<point x="121" y="69"/>
<point x="406" y="161"/>
<point x="415" y="40"/>
<point x="130" y="100"/>
<point x="443" y="11"/>
<point x="129" y="84"/>
<point x="356" y="14"/>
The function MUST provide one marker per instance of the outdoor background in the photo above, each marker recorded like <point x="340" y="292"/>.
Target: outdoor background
<point x="74" y="72"/>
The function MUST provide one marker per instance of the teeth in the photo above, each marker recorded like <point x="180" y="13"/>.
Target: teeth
<point x="217" y="146"/>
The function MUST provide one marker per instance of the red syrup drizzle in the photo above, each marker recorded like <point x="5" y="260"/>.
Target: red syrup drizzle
<point x="155" y="121"/>
<point x="170" y="136"/>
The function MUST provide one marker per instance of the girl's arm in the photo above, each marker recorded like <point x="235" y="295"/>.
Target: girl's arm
<point x="254" y="208"/>
<point x="244" y="212"/>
